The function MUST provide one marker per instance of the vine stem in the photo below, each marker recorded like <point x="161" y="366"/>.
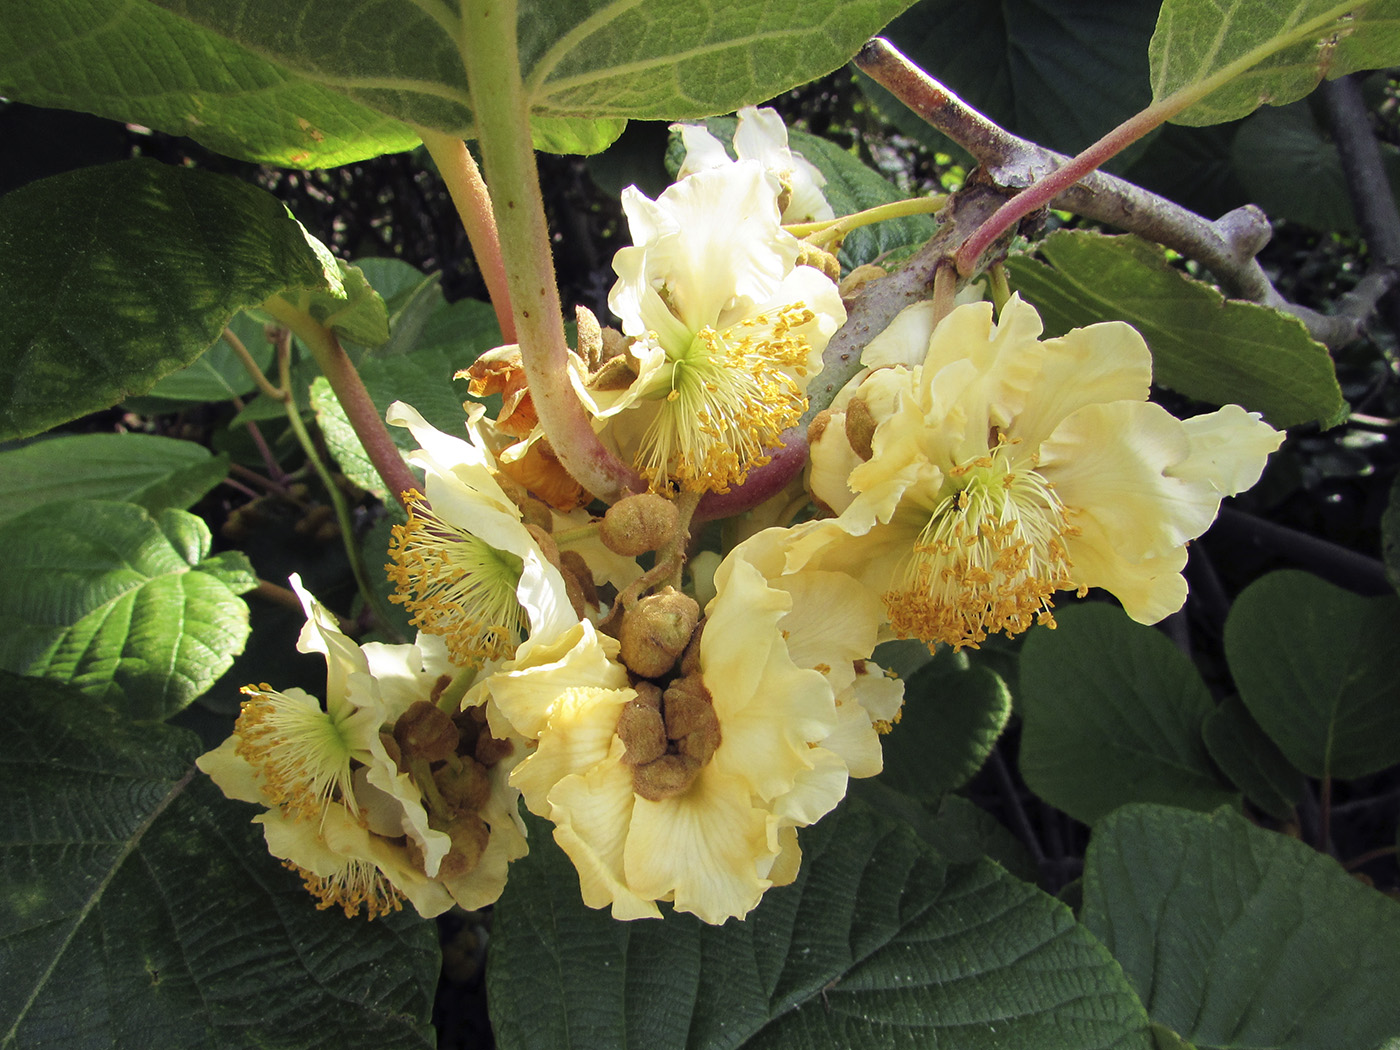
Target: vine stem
<point x="489" y="49"/>
<point x="473" y="203"/>
<point x="350" y="390"/>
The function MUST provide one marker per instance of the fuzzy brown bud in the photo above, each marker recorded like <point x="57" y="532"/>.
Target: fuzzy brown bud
<point x="572" y="563"/>
<point x="656" y="631"/>
<point x="490" y="750"/>
<point x="638" y="524"/>
<point x="690" y="719"/>
<point x="667" y="777"/>
<point x="466" y="788"/>
<point x="548" y="547"/>
<point x="860" y="428"/>
<point x="639" y="726"/>
<point x="690" y="659"/>
<point x="469" y="834"/>
<point x="423" y="731"/>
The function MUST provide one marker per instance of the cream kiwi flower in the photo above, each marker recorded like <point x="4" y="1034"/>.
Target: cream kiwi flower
<point x="727" y="331"/>
<point x="690" y="789"/>
<point x="977" y="469"/>
<point x="350" y="803"/>
<point x="464" y="564"/>
<point x="761" y="136"/>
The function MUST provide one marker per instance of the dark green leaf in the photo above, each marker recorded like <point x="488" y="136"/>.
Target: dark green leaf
<point x="1319" y="670"/>
<point x="156" y="473"/>
<point x="117" y="275"/>
<point x="1112" y="715"/>
<point x="1234" y="55"/>
<point x="1204" y="346"/>
<point x="217" y="374"/>
<point x="1238" y="937"/>
<point x="952" y="716"/>
<point x="1059" y="72"/>
<point x="141" y="63"/>
<point x="1251" y="760"/>
<point x="140" y="909"/>
<point x="1390" y="535"/>
<point x="879" y="942"/>
<point x="126" y="606"/>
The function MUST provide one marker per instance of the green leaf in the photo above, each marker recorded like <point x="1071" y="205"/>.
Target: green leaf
<point x="1319" y="670"/>
<point x="1246" y="755"/>
<point x="423" y="379"/>
<point x="117" y="275"/>
<point x="879" y="942"/>
<point x="1203" y="345"/>
<point x="1230" y="56"/>
<point x="1058" y="72"/>
<point x="218" y="374"/>
<point x="156" y="473"/>
<point x="1390" y="535"/>
<point x="1239" y="937"/>
<point x="123" y="605"/>
<point x="953" y="714"/>
<point x="1112" y="714"/>
<point x="348" y="305"/>
<point x="586" y="65"/>
<point x="142" y="64"/>
<point x="139" y="908"/>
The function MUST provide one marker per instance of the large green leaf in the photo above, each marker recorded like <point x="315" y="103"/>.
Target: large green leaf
<point x="139" y="908"/>
<point x="952" y="716"/>
<point x="128" y="607"/>
<point x="156" y="473"/>
<point x="1203" y="345"/>
<point x="1238" y="937"/>
<point x="583" y="61"/>
<point x="879" y="943"/>
<point x="1112" y="714"/>
<point x="111" y="277"/>
<point x="1319" y="670"/>
<point x="1242" y="53"/>
<point x="218" y="374"/>
<point x="141" y="63"/>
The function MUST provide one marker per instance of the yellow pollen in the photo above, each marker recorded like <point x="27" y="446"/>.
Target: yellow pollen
<point x="358" y="883"/>
<point x="732" y="395"/>
<point x="989" y="558"/>
<point x="456" y="585"/>
<point x="301" y="759"/>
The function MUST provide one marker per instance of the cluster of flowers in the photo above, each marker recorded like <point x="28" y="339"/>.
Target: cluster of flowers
<point x="677" y="721"/>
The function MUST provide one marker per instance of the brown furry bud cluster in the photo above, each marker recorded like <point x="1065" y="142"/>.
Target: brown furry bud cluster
<point x="669" y="735"/>
<point x="449" y="757"/>
<point x="638" y="524"/>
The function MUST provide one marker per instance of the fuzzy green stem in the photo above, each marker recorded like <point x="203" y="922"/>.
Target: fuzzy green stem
<point x="490" y="51"/>
<point x="350" y="391"/>
<point x="450" y="699"/>
<point x="1000" y="287"/>
<point x="468" y="192"/>
<point x="829" y="230"/>
<point x="337" y="498"/>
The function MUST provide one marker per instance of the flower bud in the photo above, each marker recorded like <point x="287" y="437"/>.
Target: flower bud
<point x="638" y="524"/>
<point x="667" y="777"/>
<point x="469" y="834"/>
<point x="690" y="719"/>
<point x="860" y="428"/>
<point x="466" y="788"/>
<point x="424" y="731"/>
<point x="656" y="630"/>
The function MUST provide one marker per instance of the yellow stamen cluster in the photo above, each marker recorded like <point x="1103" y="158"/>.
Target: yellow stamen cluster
<point x="989" y="558"/>
<point x="297" y="750"/>
<point x="456" y="585"/>
<point x="731" y="398"/>
<point x="356" y="883"/>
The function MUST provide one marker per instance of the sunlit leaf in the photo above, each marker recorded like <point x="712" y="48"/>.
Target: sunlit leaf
<point x="154" y="472"/>
<point x="1112" y="714"/>
<point x="1240" y="937"/>
<point x="140" y="908"/>
<point x="1319" y="670"/>
<point x="1239" y="54"/>
<point x="111" y="277"/>
<point x="128" y="607"/>
<point x="1203" y="345"/>
<point x="879" y="943"/>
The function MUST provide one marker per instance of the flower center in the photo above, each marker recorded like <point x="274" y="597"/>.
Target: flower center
<point x="456" y="585"/>
<point x="357" y="882"/>
<point x="988" y="559"/>
<point x="298" y="751"/>
<point x="730" y="397"/>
